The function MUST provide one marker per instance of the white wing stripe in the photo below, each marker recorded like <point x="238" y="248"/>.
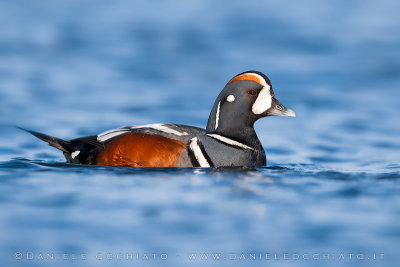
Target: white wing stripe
<point x="159" y="127"/>
<point x="110" y="134"/>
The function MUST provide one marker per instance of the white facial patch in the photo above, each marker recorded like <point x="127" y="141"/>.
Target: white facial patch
<point x="263" y="101"/>
<point x="230" y="98"/>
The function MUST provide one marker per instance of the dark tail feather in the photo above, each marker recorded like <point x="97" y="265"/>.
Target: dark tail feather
<point x="62" y="145"/>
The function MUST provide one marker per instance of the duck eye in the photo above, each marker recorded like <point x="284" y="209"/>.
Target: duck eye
<point x="252" y="92"/>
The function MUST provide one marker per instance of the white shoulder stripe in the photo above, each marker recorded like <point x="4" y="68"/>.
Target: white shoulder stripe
<point x="229" y="141"/>
<point x="159" y="127"/>
<point x="198" y="154"/>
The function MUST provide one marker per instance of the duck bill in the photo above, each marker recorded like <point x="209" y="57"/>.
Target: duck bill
<point x="278" y="109"/>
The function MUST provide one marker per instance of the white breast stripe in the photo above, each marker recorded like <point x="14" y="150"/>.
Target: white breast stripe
<point x="159" y="127"/>
<point x="217" y="116"/>
<point x="229" y="141"/>
<point x="198" y="154"/>
<point x="74" y="154"/>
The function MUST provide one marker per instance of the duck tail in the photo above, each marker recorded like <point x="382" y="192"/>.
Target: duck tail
<point x="58" y="143"/>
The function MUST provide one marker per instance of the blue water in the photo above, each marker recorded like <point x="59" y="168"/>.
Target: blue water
<point x="331" y="188"/>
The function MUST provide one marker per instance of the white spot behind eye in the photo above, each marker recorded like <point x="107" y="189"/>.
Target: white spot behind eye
<point x="230" y="98"/>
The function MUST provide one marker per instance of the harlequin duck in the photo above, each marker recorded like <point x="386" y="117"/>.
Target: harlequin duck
<point x="229" y="139"/>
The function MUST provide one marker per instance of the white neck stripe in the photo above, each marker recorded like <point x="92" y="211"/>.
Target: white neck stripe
<point x="217" y="115"/>
<point x="229" y="141"/>
<point x="201" y="159"/>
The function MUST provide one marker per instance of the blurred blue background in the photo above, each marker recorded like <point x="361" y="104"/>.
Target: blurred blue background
<point x="71" y="68"/>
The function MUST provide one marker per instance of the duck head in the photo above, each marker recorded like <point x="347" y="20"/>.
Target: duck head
<point x="246" y="98"/>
